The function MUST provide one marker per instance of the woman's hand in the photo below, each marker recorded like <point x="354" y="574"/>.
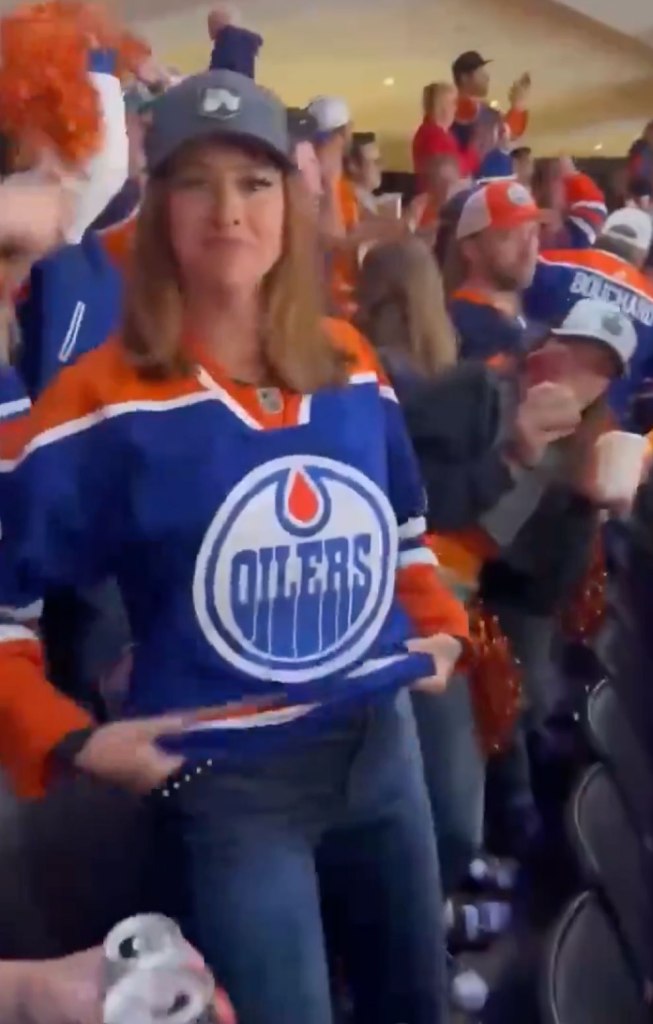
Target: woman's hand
<point x="127" y="754"/>
<point x="546" y="413"/>
<point x="445" y="651"/>
<point x="67" y="991"/>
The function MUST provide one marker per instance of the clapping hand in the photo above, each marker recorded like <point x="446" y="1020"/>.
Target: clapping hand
<point x="547" y="413"/>
<point x="520" y="91"/>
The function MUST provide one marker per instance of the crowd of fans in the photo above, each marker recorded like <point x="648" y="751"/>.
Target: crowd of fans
<point x="299" y="479"/>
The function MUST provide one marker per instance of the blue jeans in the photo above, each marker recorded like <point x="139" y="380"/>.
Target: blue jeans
<point x="247" y="844"/>
<point x="454" y="770"/>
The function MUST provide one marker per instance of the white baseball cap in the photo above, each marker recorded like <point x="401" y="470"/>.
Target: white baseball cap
<point x="330" y="113"/>
<point x="604" y="322"/>
<point x="498" y="204"/>
<point x="632" y="226"/>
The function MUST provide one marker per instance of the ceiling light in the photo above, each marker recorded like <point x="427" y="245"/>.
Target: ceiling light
<point x="495" y="104"/>
<point x="388" y="81"/>
<point x="598" y="147"/>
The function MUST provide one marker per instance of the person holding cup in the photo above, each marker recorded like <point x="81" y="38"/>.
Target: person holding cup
<point x="545" y="531"/>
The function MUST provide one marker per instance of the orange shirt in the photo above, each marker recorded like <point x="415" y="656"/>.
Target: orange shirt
<point x="344" y="265"/>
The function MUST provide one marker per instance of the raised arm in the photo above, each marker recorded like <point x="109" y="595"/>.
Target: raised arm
<point x="106" y="172"/>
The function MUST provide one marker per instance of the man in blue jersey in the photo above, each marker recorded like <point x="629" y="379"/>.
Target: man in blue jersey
<point x="610" y="270"/>
<point x="497" y="235"/>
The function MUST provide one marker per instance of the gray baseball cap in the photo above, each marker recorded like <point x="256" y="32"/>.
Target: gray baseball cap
<point x="216" y="104"/>
<point x="604" y="322"/>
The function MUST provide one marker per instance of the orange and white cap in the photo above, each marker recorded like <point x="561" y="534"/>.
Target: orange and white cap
<point x="499" y="204"/>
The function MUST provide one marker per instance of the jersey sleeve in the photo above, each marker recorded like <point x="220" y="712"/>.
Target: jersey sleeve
<point x="106" y="172"/>
<point x="236" y="49"/>
<point x="14" y="402"/>
<point x="118" y="239"/>
<point x="586" y="209"/>
<point x="62" y="518"/>
<point x="516" y="122"/>
<point x="423" y="594"/>
<point x="93" y="186"/>
<point x="539" y="299"/>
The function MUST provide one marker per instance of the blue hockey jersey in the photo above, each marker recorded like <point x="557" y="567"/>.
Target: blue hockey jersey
<point x="74" y="304"/>
<point x="563" y="277"/>
<point x="72" y="301"/>
<point x="258" y="556"/>
<point x="14" y="402"/>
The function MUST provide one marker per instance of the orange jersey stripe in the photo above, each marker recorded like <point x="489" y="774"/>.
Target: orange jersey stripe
<point x="35" y="717"/>
<point x="106" y="377"/>
<point x="118" y="240"/>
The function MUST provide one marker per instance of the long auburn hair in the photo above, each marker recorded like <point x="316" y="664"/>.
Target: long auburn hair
<point x="401" y="306"/>
<point x="297" y="351"/>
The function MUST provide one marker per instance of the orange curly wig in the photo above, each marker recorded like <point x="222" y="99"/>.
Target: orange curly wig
<point x="46" y="96"/>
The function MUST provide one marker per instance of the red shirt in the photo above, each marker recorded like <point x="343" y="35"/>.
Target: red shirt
<point x="431" y="139"/>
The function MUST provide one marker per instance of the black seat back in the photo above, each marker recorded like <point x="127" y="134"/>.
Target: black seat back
<point x="587" y="978"/>
<point x="71" y="867"/>
<point x="613" y="860"/>
<point x="616" y="743"/>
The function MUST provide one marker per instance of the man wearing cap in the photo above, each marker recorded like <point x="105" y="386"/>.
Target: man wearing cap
<point x="333" y="122"/>
<point x="611" y="270"/>
<point x="473" y="83"/>
<point x="497" y="235"/>
<point x="602" y="328"/>
<point x="342" y="229"/>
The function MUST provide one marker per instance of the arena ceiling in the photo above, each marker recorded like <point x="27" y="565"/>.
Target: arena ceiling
<point x="592" y="84"/>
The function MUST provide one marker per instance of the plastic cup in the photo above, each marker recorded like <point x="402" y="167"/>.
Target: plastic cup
<point x="146" y="941"/>
<point x="161" y="995"/>
<point x="389" y="204"/>
<point x="620" y="463"/>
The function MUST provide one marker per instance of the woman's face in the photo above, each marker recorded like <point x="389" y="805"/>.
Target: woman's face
<point x="226" y="212"/>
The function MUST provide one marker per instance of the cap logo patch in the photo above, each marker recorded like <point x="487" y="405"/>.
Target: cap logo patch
<point x="219" y="103"/>
<point x="519" y="196"/>
<point x="611" y="323"/>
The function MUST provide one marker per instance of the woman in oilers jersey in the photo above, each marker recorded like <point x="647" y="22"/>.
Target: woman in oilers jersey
<point x="241" y="467"/>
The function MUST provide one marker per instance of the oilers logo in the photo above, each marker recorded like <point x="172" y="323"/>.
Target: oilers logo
<point x="295" y="575"/>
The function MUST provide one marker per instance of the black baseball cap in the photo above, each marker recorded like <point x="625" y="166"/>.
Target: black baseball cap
<point x="468" y="63"/>
<point x="217" y="104"/>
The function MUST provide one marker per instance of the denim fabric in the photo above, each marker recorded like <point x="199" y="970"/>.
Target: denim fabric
<point x="531" y="638"/>
<point x="242" y="847"/>
<point x="454" y="770"/>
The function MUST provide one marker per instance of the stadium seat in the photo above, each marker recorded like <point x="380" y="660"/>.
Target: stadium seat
<point x="613" y="860"/>
<point x="587" y="978"/>
<point x="615" y="742"/>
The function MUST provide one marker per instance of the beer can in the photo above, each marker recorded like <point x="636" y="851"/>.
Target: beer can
<point x="146" y="940"/>
<point x="161" y="995"/>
